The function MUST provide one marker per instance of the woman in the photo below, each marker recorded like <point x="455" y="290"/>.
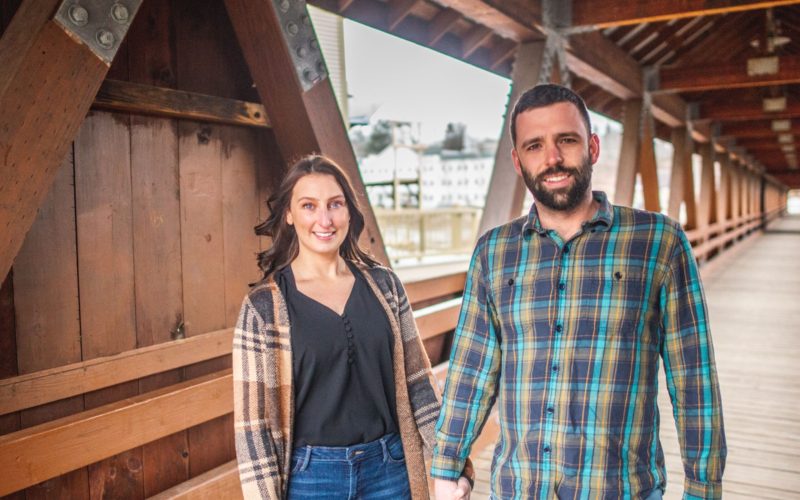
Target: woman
<point x="333" y="392"/>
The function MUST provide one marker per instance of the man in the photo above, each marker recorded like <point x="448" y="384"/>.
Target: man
<point x="565" y="314"/>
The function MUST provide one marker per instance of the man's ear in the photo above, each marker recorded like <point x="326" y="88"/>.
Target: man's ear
<point x="594" y="148"/>
<point x="515" y="160"/>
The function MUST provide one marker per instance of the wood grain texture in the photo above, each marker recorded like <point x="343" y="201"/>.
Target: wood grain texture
<point x="136" y="98"/>
<point x="46" y="386"/>
<point x="45" y="95"/>
<point x="108" y="431"/>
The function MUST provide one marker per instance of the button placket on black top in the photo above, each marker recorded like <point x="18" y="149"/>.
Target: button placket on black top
<point x="348" y="328"/>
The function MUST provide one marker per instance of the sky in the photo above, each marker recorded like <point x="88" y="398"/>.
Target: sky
<point x="400" y="80"/>
<point x="404" y="81"/>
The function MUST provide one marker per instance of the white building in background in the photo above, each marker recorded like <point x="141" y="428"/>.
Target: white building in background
<point x="455" y="179"/>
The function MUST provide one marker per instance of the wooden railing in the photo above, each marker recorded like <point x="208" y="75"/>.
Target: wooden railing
<point x="414" y="233"/>
<point x="38" y="453"/>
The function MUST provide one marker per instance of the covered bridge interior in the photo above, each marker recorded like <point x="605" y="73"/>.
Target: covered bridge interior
<point x="140" y="139"/>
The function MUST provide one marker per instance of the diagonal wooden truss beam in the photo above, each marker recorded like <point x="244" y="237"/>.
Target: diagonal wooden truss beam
<point x="297" y="94"/>
<point x="588" y="14"/>
<point x="48" y="81"/>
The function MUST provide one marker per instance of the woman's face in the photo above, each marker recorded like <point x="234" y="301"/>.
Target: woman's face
<point x="318" y="211"/>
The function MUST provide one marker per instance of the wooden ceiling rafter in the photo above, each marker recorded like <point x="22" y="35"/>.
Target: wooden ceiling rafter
<point x="586" y="15"/>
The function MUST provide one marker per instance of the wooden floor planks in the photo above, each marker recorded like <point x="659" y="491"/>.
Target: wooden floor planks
<point x="754" y="306"/>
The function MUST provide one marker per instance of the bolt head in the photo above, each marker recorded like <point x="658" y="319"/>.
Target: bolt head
<point x="78" y="15"/>
<point x="105" y="38"/>
<point x="302" y="51"/>
<point x="284" y="5"/>
<point x="119" y="13"/>
<point x="292" y="29"/>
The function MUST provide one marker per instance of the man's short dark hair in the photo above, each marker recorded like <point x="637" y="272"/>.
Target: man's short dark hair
<point x="545" y="95"/>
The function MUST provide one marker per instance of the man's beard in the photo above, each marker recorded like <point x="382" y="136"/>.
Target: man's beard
<point x="562" y="199"/>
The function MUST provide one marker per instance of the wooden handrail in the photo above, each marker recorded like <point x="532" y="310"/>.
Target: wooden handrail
<point x="38" y="453"/>
<point x="219" y="482"/>
<point x="42" y="387"/>
<point x="38" y="388"/>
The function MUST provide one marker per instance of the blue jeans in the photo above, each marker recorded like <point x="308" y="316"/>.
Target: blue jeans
<point x="369" y="471"/>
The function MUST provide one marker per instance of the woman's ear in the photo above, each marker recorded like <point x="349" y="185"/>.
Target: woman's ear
<point x="289" y="218"/>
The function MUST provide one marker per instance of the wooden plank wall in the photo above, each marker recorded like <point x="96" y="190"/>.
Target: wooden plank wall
<point x="146" y="236"/>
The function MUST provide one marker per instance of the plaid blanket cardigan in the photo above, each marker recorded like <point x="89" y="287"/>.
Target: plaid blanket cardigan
<point x="264" y="392"/>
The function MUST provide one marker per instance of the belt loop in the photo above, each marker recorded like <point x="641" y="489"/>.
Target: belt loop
<point x="385" y="449"/>
<point x="306" y="459"/>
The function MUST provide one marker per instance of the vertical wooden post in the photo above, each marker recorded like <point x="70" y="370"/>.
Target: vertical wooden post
<point x="648" y="169"/>
<point x="736" y="193"/>
<point x="283" y="55"/>
<point x="506" y="189"/>
<point x="726" y="205"/>
<point x="681" y="167"/>
<point x="629" y="153"/>
<point x="707" y="209"/>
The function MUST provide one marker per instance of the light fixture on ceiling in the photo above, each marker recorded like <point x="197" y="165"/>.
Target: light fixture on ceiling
<point x="773" y="39"/>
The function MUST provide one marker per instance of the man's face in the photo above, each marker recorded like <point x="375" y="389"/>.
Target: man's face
<point x="554" y="155"/>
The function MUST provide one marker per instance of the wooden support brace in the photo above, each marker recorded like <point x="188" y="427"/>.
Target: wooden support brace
<point x="637" y="155"/>
<point x="297" y="94"/>
<point x="506" y="189"/>
<point x="48" y="82"/>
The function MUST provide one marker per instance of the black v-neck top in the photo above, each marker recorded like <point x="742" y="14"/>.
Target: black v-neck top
<point x="342" y="367"/>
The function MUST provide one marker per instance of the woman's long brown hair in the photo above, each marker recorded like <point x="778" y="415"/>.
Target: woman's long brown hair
<point x="284" y="247"/>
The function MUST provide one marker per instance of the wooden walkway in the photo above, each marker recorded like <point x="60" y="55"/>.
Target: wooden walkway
<point x="754" y="304"/>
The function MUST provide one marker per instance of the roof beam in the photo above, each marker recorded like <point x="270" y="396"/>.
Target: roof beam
<point x="747" y="110"/>
<point x="757" y="129"/>
<point x="587" y="14"/>
<point x="775" y="71"/>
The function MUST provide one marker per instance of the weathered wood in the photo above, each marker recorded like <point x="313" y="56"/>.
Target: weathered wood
<point x="105" y="266"/>
<point x="438" y="319"/>
<point x="424" y="290"/>
<point x="306" y="118"/>
<point x="159" y="101"/>
<point x="399" y="10"/>
<point x="221" y="482"/>
<point x="474" y="39"/>
<point x="506" y="189"/>
<point x="707" y="208"/>
<point x="725" y="75"/>
<point x="629" y="152"/>
<point x="756" y="129"/>
<point x="49" y="82"/>
<point x="240" y="213"/>
<point x="619" y="13"/>
<point x="739" y="110"/>
<point x="82" y="439"/>
<point x="441" y="24"/>
<point x="595" y="58"/>
<point x="646" y="164"/>
<point x="47" y="385"/>
<point x="681" y="166"/>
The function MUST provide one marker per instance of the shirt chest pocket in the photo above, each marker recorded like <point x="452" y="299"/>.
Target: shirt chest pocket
<point x="611" y="304"/>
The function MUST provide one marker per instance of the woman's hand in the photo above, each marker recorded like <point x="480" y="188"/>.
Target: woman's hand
<point x="452" y="490"/>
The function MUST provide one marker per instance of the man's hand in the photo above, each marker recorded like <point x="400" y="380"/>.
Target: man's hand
<point x="452" y="490"/>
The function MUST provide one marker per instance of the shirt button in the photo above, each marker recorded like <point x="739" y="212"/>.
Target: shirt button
<point x="550" y="410"/>
<point x="510" y="281"/>
<point x="555" y="368"/>
<point x="566" y="249"/>
<point x="562" y="286"/>
<point x="559" y="328"/>
<point x="546" y="449"/>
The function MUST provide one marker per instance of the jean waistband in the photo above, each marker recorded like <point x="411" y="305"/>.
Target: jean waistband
<point x="352" y="453"/>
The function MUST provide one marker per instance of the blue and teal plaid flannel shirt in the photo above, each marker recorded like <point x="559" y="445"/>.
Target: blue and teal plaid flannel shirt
<point x="567" y="337"/>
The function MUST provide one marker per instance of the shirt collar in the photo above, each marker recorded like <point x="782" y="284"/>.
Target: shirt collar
<point x="602" y="219"/>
